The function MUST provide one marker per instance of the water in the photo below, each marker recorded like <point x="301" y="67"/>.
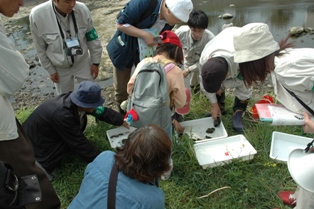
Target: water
<point x="280" y="15"/>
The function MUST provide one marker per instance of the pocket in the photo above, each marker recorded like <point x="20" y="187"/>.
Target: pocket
<point x="54" y="42"/>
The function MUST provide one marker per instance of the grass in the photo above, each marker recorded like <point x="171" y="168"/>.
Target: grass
<point x="247" y="184"/>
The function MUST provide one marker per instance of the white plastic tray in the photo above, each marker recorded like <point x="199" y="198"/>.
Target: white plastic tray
<point x="282" y="144"/>
<point x="196" y="129"/>
<point x="218" y="152"/>
<point x="116" y="135"/>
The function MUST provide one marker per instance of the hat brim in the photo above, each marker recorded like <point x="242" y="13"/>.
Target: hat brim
<point x="300" y="169"/>
<point x="84" y="104"/>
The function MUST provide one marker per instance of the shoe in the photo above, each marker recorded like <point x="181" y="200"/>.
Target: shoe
<point x="165" y="176"/>
<point x="288" y="198"/>
<point x="237" y="124"/>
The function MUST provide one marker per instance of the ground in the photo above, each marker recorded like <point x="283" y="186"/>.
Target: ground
<point x="104" y="14"/>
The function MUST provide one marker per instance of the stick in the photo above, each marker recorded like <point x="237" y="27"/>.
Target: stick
<point x="216" y="190"/>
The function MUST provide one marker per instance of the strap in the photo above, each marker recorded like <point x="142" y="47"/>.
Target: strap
<point x="300" y="101"/>
<point x="111" y="199"/>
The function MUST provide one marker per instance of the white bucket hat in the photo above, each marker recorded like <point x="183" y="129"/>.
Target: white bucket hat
<point x="301" y="168"/>
<point x="181" y="9"/>
<point x="252" y="42"/>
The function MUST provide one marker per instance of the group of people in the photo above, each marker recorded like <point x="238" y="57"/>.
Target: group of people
<point x="69" y="48"/>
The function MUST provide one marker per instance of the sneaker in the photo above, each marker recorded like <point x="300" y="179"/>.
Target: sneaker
<point x="167" y="174"/>
<point x="288" y="198"/>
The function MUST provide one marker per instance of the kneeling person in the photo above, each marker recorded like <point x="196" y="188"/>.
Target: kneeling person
<point x="54" y="127"/>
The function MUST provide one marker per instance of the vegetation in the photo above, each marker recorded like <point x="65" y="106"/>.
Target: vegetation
<point x="245" y="184"/>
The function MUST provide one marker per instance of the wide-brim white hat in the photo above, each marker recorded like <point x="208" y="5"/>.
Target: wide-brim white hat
<point x="181" y="9"/>
<point x="252" y="42"/>
<point x="301" y="168"/>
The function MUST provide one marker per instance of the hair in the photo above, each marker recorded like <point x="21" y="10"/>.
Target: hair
<point x="145" y="154"/>
<point x="198" y="19"/>
<point x="257" y="70"/>
<point x="171" y="51"/>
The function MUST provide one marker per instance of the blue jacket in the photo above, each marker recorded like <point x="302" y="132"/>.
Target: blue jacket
<point x="122" y="48"/>
<point x="130" y="193"/>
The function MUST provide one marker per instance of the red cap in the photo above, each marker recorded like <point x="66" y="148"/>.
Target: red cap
<point x="169" y="37"/>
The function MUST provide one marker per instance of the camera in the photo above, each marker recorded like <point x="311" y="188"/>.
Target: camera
<point x="73" y="47"/>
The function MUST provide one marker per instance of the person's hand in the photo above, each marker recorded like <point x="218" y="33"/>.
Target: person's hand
<point x="308" y="127"/>
<point x="149" y="39"/>
<point x="126" y="125"/>
<point x="55" y="77"/>
<point x="215" y="110"/>
<point x="94" y="71"/>
<point x="186" y="72"/>
<point x="177" y="126"/>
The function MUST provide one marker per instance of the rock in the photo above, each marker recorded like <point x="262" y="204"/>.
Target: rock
<point x="296" y="31"/>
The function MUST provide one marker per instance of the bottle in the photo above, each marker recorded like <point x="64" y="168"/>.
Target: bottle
<point x="129" y="119"/>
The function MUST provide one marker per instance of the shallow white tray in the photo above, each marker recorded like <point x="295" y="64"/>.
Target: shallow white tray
<point x="282" y="144"/>
<point x="196" y="129"/>
<point x="218" y="152"/>
<point x="116" y="135"/>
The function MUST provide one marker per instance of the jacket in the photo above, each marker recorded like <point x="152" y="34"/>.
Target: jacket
<point x="294" y="70"/>
<point x="54" y="129"/>
<point x="49" y="43"/>
<point x="130" y="193"/>
<point x="13" y="72"/>
<point x="122" y="47"/>
<point x="192" y="51"/>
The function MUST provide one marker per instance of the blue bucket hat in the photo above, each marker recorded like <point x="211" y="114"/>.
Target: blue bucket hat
<point x="87" y="95"/>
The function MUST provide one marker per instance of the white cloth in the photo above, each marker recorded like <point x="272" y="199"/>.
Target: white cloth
<point x="192" y="50"/>
<point x="49" y="43"/>
<point x="295" y="71"/>
<point x="222" y="46"/>
<point x="13" y="72"/>
<point x="305" y="199"/>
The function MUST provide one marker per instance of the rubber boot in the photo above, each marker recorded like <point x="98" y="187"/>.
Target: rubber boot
<point x="239" y="108"/>
<point x="195" y="89"/>
<point x="221" y="102"/>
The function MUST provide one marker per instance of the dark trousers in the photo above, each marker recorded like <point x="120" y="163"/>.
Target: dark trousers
<point x="19" y="154"/>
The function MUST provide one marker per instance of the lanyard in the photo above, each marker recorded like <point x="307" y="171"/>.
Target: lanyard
<point x="60" y="28"/>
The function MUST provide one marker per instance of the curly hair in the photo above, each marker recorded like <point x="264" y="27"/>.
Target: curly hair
<point x="145" y="154"/>
<point x="257" y="70"/>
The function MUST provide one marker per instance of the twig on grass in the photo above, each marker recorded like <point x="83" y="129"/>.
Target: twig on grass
<point x="216" y="190"/>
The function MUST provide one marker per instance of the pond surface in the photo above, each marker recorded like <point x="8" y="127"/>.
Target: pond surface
<point x="280" y="15"/>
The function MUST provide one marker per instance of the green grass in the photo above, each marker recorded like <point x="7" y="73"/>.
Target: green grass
<point x="253" y="183"/>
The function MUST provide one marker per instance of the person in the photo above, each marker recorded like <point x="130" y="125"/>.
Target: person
<point x="194" y="37"/>
<point x="218" y="71"/>
<point x="170" y="53"/>
<point x="123" y="47"/>
<point x="54" y="127"/>
<point x="300" y="198"/>
<point x="140" y="161"/>
<point x="15" y="147"/>
<point x="66" y="41"/>
<point x="291" y="69"/>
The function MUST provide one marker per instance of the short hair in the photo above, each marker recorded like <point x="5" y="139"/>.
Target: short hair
<point x="198" y="19"/>
<point x="145" y="154"/>
<point x="173" y="52"/>
<point x="257" y="70"/>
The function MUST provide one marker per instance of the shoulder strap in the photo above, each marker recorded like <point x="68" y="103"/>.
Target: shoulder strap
<point x="111" y="198"/>
<point x="300" y="101"/>
<point x="167" y="64"/>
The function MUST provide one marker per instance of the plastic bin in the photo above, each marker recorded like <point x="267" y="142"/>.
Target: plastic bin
<point x="116" y="135"/>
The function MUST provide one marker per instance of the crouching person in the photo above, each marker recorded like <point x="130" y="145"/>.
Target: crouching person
<point x="136" y="166"/>
<point x="219" y="71"/>
<point x="56" y="126"/>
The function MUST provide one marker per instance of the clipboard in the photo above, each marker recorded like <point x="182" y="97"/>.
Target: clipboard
<point x="264" y="112"/>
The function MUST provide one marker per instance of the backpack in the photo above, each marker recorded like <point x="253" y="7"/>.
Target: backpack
<point x="149" y="96"/>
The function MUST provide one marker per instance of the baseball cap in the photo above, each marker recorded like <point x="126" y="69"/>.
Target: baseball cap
<point x="252" y="42"/>
<point x="214" y="71"/>
<point x="169" y="37"/>
<point x="186" y="108"/>
<point x="181" y="9"/>
<point x="87" y="95"/>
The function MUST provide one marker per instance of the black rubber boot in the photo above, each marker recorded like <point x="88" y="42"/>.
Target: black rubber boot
<point x="239" y="108"/>
<point x="195" y="89"/>
<point x="221" y="102"/>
